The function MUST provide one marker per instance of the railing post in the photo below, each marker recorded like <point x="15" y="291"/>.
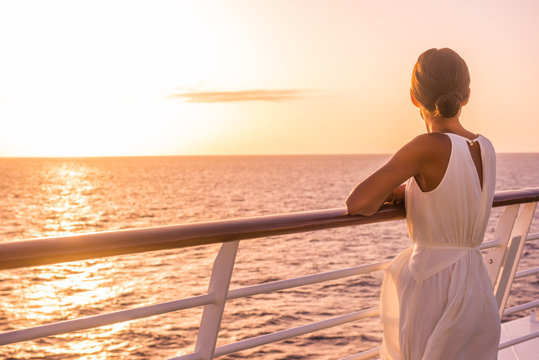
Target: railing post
<point x="218" y="288"/>
<point x="502" y="234"/>
<point x="512" y="255"/>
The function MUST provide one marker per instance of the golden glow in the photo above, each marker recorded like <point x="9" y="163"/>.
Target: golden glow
<point x="70" y="290"/>
<point x="105" y="90"/>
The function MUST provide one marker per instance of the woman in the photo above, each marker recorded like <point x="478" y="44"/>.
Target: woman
<point x="437" y="300"/>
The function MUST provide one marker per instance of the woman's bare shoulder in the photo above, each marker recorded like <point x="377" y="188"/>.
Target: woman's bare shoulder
<point x="431" y="139"/>
<point x="426" y="146"/>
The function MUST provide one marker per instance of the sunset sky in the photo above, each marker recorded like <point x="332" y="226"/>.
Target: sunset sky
<point x="110" y="78"/>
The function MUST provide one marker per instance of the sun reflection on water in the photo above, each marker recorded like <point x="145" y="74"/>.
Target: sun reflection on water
<point x="68" y="190"/>
<point x="63" y="292"/>
<point x="66" y="291"/>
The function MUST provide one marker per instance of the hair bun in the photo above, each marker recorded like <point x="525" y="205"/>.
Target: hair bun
<point x="448" y="105"/>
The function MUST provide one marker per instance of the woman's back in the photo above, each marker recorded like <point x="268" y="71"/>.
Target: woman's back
<point x="455" y="213"/>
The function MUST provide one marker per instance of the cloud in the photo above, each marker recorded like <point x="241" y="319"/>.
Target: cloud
<point x="246" y="95"/>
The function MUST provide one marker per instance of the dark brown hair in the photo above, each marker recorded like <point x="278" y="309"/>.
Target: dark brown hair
<point x="441" y="81"/>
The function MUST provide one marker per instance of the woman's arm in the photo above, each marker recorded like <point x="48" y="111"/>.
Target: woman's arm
<point x="367" y="197"/>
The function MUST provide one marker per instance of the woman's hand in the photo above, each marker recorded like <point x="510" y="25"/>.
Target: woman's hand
<point x="396" y="196"/>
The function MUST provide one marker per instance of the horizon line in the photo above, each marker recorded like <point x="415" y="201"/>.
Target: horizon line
<point x="226" y="155"/>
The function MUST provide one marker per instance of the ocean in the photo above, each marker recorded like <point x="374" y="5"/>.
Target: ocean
<point x="49" y="197"/>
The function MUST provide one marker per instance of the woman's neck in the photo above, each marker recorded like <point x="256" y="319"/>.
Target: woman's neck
<point x="448" y="125"/>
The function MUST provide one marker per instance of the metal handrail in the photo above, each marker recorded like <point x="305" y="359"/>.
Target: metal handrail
<point x="527" y="272"/>
<point x="288" y="333"/>
<point x="90" y="322"/>
<point x="521" y="307"/>
<point x="52" y="250"/>
<point x="519" y="340"/>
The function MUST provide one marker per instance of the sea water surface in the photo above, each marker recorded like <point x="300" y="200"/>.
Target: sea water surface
<point x="49" y="197"/>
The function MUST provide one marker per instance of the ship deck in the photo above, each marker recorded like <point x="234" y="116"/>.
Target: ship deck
<point x="516" y="328"/>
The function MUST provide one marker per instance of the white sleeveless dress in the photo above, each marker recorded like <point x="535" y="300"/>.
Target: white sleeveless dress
<point x="437" y="301"/>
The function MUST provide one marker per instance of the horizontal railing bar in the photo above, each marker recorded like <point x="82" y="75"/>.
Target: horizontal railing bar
<point x="89" y="322"/>
<point x="521" y="307"/>
<point x="488" y="245"/>
<point x="51" y="250"/>
<point x="300" y="330"/>
<point x="519" y="340"/>
<point x="15" y="254"/>
<point x="305" y="280"/>
<point x="525" y="273"/>
<point x="492" y="244"/>
<point x="125" y="315"/>
<point x="520" y="196"/>
<point x="367" y="354"/>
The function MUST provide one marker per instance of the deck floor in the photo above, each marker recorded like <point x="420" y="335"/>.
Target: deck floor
<point x="512" y="329"/>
